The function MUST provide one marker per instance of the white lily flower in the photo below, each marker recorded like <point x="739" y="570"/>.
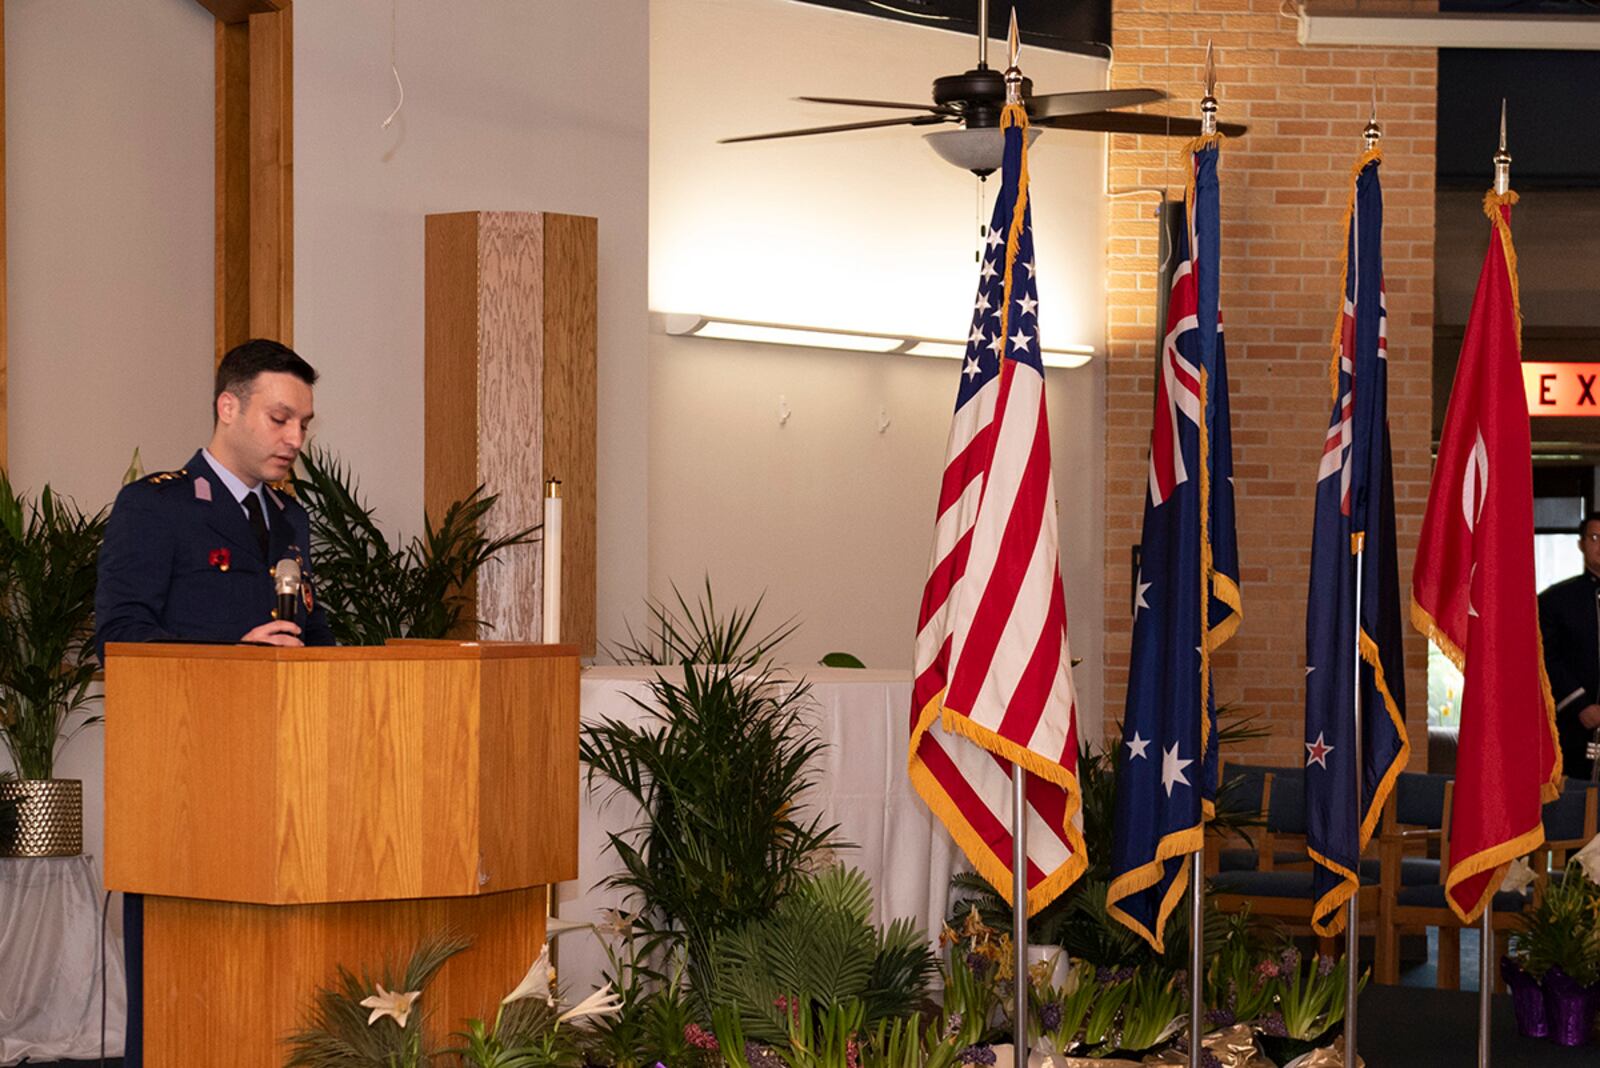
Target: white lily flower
<point x="537" y="982"/>
<point x="1519" y="877"/>
<point x="390" y="1003"/>
<point x="555" y="927"/>
<point x="603" y="1002"/>
<point x="1588" y="858"/>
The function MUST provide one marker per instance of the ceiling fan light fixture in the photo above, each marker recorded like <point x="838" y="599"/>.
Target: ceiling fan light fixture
<point x="980" y="151"/>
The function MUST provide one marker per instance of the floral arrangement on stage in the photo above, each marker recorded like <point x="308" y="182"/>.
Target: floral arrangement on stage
<point x="1553" y="969"/>
<point x="748" y="945"/>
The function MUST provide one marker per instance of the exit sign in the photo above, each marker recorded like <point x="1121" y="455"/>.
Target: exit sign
<point x="1562" y="388"/>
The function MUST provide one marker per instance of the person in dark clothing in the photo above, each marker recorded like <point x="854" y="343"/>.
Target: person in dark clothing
<point x="1569" y="617"/>
<point x="189" y="555"/>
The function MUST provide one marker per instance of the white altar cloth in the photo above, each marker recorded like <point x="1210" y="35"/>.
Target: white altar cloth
<point x="50" y="962"/>
<point x="864" y="718"/>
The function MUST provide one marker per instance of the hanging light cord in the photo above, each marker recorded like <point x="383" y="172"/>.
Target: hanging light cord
<point x="394" y="65"/>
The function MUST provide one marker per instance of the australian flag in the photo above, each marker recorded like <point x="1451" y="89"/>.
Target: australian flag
<point x="1354" y="529"/>
<point x="1186" y="600"/>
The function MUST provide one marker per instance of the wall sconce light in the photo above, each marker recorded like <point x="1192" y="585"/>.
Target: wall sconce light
<point x="681" y="325"/>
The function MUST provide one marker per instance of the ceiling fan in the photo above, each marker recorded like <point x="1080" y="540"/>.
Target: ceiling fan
<point x="975" y="98"/>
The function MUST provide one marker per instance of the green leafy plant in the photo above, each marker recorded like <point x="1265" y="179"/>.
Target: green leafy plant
<point x="1155" y="1008"/>
<point x="1562" y="930"/>
<point x="49" y="550"/>
<point x="374" y="591"/>
<point x="1309" y="1000"/>
<point x="1058" y="1014"/>
<point x="819" y="949"/>
<point x="526" y="1033"/>
<point x="1236" y="990"/>
<point x="904" y="1042"/>
<point x="338" y="1033"/>
<point x="719" y="774"/>
<point x="1099" y="1026"/>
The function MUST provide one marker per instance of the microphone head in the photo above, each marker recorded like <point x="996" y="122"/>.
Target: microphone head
<point x="287" y="580"/>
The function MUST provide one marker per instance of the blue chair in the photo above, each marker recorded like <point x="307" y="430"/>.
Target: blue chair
<point x="1566" y="820"/>
<point x="1569" y="824"/>
<point x="1276" y="837"/>
<point x="1280" y="883"/>
<point x="1411" y="829"/>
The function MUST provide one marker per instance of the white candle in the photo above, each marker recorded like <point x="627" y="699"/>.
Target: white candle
<point x="551" y="620"/>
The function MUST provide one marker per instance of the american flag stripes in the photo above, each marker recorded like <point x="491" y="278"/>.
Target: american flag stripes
<point x="1354" y="511"/>
<point x="1186" y="598"/>
<point x="993" y="683"/>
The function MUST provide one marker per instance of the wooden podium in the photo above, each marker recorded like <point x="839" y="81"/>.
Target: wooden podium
<point x="289" y="810"/>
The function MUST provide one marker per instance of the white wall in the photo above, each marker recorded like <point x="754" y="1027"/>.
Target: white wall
<point x="509" y="105"/>
<point x="828" y="515"/>
<point x="109" y="179"/>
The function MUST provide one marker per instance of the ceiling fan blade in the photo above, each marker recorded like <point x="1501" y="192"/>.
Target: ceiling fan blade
<point x="1053" y="104"/>
<point x="910" y="120"/>
<point x="1135" y="122"/>
<point x="937" y="109"/>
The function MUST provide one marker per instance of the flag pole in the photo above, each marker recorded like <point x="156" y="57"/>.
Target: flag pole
<point x="1197" y="878"/>
<point x="1502" y="186"/>
<point x="1019" y="777"/>
<point x="1019" y="907"/>
<point x="1352" y="932"/>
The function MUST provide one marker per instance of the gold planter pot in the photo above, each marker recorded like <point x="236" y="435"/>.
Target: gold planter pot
<point x="49" y="817"/>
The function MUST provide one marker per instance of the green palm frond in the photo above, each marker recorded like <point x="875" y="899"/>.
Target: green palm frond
<point x="49" y="554"/>
<point x="337" y="1035"/>
<point x="374" y="591"/>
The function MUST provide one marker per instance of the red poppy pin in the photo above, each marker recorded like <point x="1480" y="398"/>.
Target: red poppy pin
<point x="220" y="559"/>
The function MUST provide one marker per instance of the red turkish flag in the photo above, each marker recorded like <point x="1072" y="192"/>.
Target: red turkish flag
<point x="1473" y="591"/>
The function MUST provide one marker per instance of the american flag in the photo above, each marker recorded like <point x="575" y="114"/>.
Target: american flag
<point x="1355" y="510"/>
<point x="993" y="683"/>
<point x="1186" y="595"/>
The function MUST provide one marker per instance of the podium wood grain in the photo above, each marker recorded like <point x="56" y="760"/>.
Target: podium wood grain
<point x="287" y="811"/>
<point x="225" y="984"/>
<point x="319" y="775"/>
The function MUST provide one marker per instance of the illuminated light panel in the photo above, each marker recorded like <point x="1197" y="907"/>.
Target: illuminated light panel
<point x="682" y="325"/>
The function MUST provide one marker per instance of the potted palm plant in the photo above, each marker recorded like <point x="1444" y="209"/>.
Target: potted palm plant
<point x="48" y="551"/>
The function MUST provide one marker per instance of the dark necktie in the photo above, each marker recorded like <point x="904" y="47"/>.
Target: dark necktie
<point x="258" y="522"/>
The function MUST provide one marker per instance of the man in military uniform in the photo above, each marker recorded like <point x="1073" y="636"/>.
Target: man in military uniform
<point x="189" y="554"/>
<point x="1569" y="619"/>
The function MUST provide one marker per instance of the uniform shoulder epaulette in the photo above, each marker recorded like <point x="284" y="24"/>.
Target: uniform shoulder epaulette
<point x="166" y="476"/>
<point x="285" y="486"/>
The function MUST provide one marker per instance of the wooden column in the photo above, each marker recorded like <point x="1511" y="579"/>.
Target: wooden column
<point x="510" y="399"/>
<point x="255" y="171"/>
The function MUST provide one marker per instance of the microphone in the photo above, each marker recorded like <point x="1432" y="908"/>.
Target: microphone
<point x="287" y="584"/>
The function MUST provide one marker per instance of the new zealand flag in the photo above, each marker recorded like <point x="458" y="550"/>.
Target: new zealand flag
<point x="1354" y="529"/>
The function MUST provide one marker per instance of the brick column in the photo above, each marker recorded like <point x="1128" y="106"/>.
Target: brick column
<point x="1284" y="187"/>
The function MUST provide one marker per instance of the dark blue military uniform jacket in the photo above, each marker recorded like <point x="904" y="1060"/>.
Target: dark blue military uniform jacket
<point x="180" y="562"/>
<point x="1569" y="620"/>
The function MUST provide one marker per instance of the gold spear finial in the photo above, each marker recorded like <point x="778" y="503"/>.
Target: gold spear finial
<point x="1502" y="158"/>
<point x="1373" y="133"/>
<point x="1208" y="103"/>
<point x="1013" y="71"/>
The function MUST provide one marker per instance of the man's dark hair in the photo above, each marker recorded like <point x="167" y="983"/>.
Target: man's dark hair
<point x="237" y="372"/>
<point x="1583" y="527"/>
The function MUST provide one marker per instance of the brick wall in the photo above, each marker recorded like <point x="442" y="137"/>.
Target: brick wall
<point x="1283" y="187"/>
